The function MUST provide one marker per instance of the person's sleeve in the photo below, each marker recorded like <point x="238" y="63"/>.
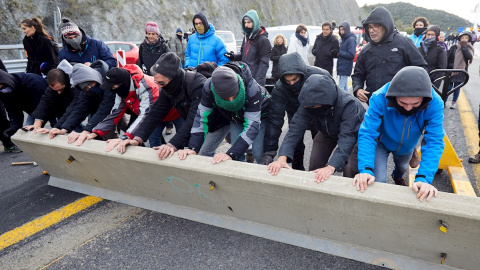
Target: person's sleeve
<point x="359" y="74"/>
<point x="238" y="56"/>
<point x="106" y="55"/>
<point x="351" y="50"/>
<point x="146" y="102"/>
<point x="110" y="121"/>
<point x="413" y="57"/>
<point x="187" y="54"/>
<point x="103" y="110"/>
<point x="442" y="59"/>
<point x="352" y="117"/>
<point x="291" y="47"/>
<point x="49" y="54"/>
<point x="221" y="51"/>
<point x="79" y="113"/>
<point x="467" y="54"/>
<point x="433" y="149"/>
<point x="264" y="55"/>
<point x="275" y="120"/>
<point x="274" y="57"/>
<point x="153" y="118"/>
<point x="200" y="123"/>
<point x="295" y="134"/>
<point x="314" y="49"/>
<point x="368" y="134"/>
<point x="42" y="112"/>
<point x="69" y="109"/>
<point x="140" y="57"/>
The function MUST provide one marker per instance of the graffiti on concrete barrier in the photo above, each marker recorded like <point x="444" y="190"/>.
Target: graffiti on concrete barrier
<point x="183" y="187"/>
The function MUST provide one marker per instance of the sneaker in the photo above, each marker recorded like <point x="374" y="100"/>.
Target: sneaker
<point x="453" y="105"/>
<point x="415" y="160"/>
<point x="168" y="131"/>
<point x="400" y="181"/>
<point x="475" y="159"/>
<point x="13" y="149"/>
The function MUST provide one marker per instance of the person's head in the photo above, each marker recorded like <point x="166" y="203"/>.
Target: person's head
<point x="250" y="23"/>
<point x="318" y="95"/>
<point x="200" y="23"/>
<point x="71" y="34"/>
<point x="441" y="37"/>
<point x="420" y="22"/>
<point x="179" y="33"/>
<point x="280" y="40"/>
<point x="247" y="23"/>
<point x="165" y="69"/>
<point x="228" y="89"/>
<point x="7" y="84"/>
<point x="465" y="36"/>
<point x="56" y="79"/>
<point x="326" y="28"/>
<point x="291" y="79"/>
<point x="430" y="34"/>
<point x="376" y="31"/>
<point x="152" y="31"/>
<point x="117" y="80"/>
<point x="433" y="31"/>
<point x="341" y="30"/>
<point x="301" y="30"/>
<point x="344" y="29"/>
<point x="410" y="90"/>
<point x="379" y="26"/>
<point x="32" y="26"/>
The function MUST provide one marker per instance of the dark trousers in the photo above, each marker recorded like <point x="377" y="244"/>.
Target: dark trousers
<point x="4" y="124"/>
<point x="323" y="147"/>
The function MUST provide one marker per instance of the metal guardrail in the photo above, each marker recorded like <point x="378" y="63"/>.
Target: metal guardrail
<point x="16" y="65"/>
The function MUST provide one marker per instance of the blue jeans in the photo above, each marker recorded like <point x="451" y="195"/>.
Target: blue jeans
<point x="156" y="137"/>
<point x="213" y="140"/>
<point x="343" y="82"/>
<point x="456" y="93"/>
<point x="381" y="159"/>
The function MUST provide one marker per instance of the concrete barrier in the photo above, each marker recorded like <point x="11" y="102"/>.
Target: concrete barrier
<point x="386" y="225"/>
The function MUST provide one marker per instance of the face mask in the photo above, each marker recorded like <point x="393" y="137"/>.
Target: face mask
<point x="75" y="43"/>
<point x="419" y="31"/>
<point x="404" y="112"/>
<point x="248" y="31"/>
<point x="296" y="87"/>
<point x="429" y="41"/>
<point x="96" y="90"/>
<point x="173" y="87"/>
<point x="179" y="36"/>
<point x="324" y="111"/>
<point x="6" y="90"/>
<point x="200" y="29"/>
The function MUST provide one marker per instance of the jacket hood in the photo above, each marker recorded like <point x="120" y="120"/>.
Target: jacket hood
<point x="434" y="28"/>
<point x="466" y="32"/>
<point x="291" y="63"/>
<point x="82" y="44"/>
<point x="346" y="27"/>
<point x="81" y="73"/>
<point x="410" y="81"/>
<point x="6" y="79"/>
<point x="204" y="20"/>
<point x="252" y="15"/>
<point x="382" y="16"/>
<point x="318" y="90"/>
<point x="65" y="66"/>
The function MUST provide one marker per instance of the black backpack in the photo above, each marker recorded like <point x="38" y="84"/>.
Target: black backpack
<point x="205" y="68"/>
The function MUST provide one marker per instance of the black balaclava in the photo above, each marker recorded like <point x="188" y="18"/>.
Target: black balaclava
<point x="174" y="87"/>
<point x="419" y="31"/>
<point x="296" y="87"/>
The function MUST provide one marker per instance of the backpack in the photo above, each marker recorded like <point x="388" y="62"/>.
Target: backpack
<point x="55" y="50"/>
<point x="205" y="68"/>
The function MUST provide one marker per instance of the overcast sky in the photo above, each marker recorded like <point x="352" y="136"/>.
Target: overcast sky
<point x="462" y="8"/>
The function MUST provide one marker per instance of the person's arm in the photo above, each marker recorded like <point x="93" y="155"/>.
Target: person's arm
<point x="412" y="55"/>
<point x="103" y="111"/>
<point x="111" y="120"/>
<point x="106" y="55"/>
<point x="295" y="134"/>
<point x="359" y="74"/>
<point x="315" y="47"/>
<point x="275" y="120"/>
<point x="79" y="113"/>
<point x="49" y="56"/>
<point x="187" y="54"/>
<point x="200" y="123"/>
<point x="42" y="112"/>
<point x="69" y="109"/>
<point x="442" y="59"/>
<point x="140" y="57"/>
<point x="467" y="54"/>
<point x="349" y="53"/>
<point x="220" y="51"/>
<point x="146" y="102"/>
<point x="264" y="56"/>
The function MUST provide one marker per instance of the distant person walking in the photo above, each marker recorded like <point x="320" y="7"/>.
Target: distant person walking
<point x="177" y="45"/>
<point x="433" y="53"/>
<point x="152" y="47"/>
<point x="299" y="42"/>
<point x="326" y="48"/>
<point x="279" y="49"/>
<point x="420" y="24"/>
<point x="346" y="55"/>
<point x="41" y="54"/>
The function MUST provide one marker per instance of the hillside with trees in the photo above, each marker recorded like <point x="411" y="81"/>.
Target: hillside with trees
<point x="405" y="13"/>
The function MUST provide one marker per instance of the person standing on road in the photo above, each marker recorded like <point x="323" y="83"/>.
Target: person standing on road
<point x="441" y="40"/>
<point x="326" y="48"/>
<point x="279" y="49"/>
<point x="41" y="54"/>
<point x="399" y="114"/>
<point x="255" y="49"/>
<point x="204" y="45"/>
<point x="433" y="53"/>
<point x="338" y="116"/>
<point x="177" y="45"/>
<point x="419" y="25"/>
<point x="300" y="43"/>
<point x="346" y="55"/>
<point x="152" y="47"/>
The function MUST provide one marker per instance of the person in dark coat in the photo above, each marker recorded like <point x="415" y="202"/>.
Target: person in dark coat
<point x="433" y="53"/>
<point x="279" y="49"/>
<point x="4" y="124"/>
<point x="152" y="47"/>
<point x="78" y="47"/>
<point x="338" y="116"/>
<point x="20" y="93"/>
<point x="37" y="43"/>
<point x="255" y="50"/>
<point x="383" y="56"/>
<point x="326" y="48"/>
<point x="294" y="72"/>
<point x="181" y="90"/>
<point x="345" y="55"/>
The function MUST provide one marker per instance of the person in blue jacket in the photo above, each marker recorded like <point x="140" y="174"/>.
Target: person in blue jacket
<point x="345" y="55"/>
<point x="204" y="45"/>
<point x="419" y="25"/>
<point x="399" y="114"/>
<point x="79" y="47"/>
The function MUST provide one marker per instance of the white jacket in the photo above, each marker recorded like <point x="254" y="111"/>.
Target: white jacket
<point x="296" y="45"/>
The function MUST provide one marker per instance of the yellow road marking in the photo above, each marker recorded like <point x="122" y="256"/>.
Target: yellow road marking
<point x="18" y="234"/>
<point x="470" y="130"/>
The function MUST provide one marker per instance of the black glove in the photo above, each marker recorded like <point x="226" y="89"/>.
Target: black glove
<point x="335" y="53"/>
<point x="230" y="55"/>
<point x="267" y="157"/>
<point x="10" y="131"/>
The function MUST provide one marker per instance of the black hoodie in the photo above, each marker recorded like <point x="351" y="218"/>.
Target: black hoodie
<point x="379" y="62"/>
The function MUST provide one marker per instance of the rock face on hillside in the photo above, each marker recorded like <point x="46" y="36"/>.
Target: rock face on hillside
<point x="124" y="20"/>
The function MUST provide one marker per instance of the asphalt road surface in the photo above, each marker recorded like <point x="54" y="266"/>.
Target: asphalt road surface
<point x="111" y="235"/>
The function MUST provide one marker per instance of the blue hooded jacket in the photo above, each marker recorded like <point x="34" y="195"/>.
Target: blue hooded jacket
<point x="347" y="51"/>
<point x="400" y="133"/>
<point x="205" y="47"/>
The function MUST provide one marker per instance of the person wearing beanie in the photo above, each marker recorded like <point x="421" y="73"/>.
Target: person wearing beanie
<point x="204" y="45"/>
<point x="433" y="53"/>
<point x="232" y="101"/>
<point x="338" y="116"/>
<point x="256" y="48"/>
<point x="152" y="47"/>
<point x="78" y="47"/>
<point x="177" y="45"/>
<point x="180" y="90"/>
<point x="399" y="114"/>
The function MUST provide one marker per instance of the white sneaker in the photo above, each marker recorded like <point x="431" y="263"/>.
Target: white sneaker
<point x="453" y="105"/>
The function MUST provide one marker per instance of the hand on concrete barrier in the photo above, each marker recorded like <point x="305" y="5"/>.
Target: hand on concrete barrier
<point x="82" y="137"/>
<point x="362" y="95"/>
<point x="112" y="143"/>
<point x="29" y="128"/>
<point x="362" y="180"/>
<point x="424" y="190"/>
<point x="220" y="157"/>
<point x="323" y="173"/>
<point x="275" y="166"/>
<point x="55" y="131"/>
<point x="182" y="154"/>
<point x="73" y="136"/>
<point x="165" y="150"/>
<point x="92" y="136"/>
<point x="42" y="130"/>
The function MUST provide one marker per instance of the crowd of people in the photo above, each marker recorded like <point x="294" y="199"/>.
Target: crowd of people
<point x="210" y="94"/>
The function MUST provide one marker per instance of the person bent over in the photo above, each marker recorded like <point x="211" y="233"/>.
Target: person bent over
<point x="231" y="101"/>
<point x="399" y="113"/>
<point x="338" y="116"/>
